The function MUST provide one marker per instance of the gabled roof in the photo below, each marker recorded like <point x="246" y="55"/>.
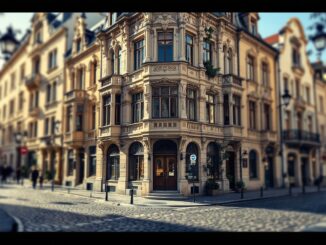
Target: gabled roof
<point x="272" y="39"/>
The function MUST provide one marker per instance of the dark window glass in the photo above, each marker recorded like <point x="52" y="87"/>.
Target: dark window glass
<point x="137" y="107"/>
<point x="92" y="160"/>
<point x="93" y="116"/>
<point x="192" y="170"/>
<point x="46" y="131"/>
<point x="165" y="102"/>
<point x="207" y="53"/>
<point x="267" y="117"/>
<point x="250" y="68"/>
<point x="138" y="54"/>
<point x="54" y="91"/>
<point x="69" y="118"/>
<point x="213" y="155"/>
<point x="191" y="104"/>
<point x="119" y="61"/>
<point x="48" y="93"/>
<point x="210" y="108"/>
<point x="117" y="109"/>
<point x="136" y="161"/>
<point x="252" y="114"/>
<point x="189" y="48"/>
<point x="106" y="110"/>
<point x="237" y="110"/>
<point x="265" y="74"/>
<point x="79" y="117"/>
<point x="253" y="164"/>
<point x="70" y="164"/>
<point x="226" y="109"/>
<point x="165" y="46"/>
<point x="113" y="163"/>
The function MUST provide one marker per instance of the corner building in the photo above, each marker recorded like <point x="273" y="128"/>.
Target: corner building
<point x="158" y="106"/>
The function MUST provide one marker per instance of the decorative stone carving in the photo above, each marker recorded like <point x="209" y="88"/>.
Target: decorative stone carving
<point x="164" y="20"/>
<point x="164" y="68"/>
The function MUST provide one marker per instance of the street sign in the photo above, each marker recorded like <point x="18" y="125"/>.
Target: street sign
<point x="23" y="150"/>
<point x="193" y="158"/>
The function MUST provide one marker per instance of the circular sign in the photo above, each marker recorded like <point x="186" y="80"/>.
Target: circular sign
<point x="23" y="150"/>
<point x="193" y="157"/>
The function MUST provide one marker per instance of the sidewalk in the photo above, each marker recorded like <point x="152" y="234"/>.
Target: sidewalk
<point x="223" y="198"/>
<point x="7" y="223"/>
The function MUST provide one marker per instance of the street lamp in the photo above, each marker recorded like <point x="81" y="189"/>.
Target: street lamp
<point x="319" y="39"/>
<point x="19" y="138"/>
<point x="55" y="127"/>
<point x="8" y="43"/>
<point x="286" y="98"/>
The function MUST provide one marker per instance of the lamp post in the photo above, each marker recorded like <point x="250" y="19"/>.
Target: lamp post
<point x="19" y="138"/>
<point x="55" y="126"/>
<point x="8" y="43"/>
<point x="319" y="39"/>
<point x="242" y="154"/>
<point x="286" y="97"/>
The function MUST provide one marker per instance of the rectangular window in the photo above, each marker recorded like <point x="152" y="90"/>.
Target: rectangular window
<point x="92" y="160"/>
<point x="53" y="126"/>
<point x="46" y="126"/>
<point x="81" y="78"/>
<point x="117" y="109"/>
<point x="210" y="108"/>
<point x="79" y="117"/>
<point x="297" y="83"/>
<point x="48" y="93"/>
<point x="69" y="119"/>
<point x="267" y="119"/>
<point x="286" y="84"/>
<point x="139" y="54"/>
<point x="265" y="74"/>
<point x="308" y="94"/>
<point x="252" y="114"/>
<point x="189" y="48"/>
<point x="54" y="91"/>
<point x="165" y="46"/>
<point x="191" y="104"/>
<point x="22" y="73"/>
<point x="137" y="107"/>
<point x="78" y="45"/>
<point x="288" y="120"/>
<point x="296" y="57"/>
<point x="207" y="52"/>
<point x="13" y="81"/>
<point x="106" y="110"/>
<point x="165" y="102"/>
<point x="250" y="68"/>
<point x="70" y="164"/>
<point x="236" y="110"/>
<point x="321" y="104"/>
<point x="93" y="116"/>
<point x="12" y="107"/>
<point x="310" y="124"/>
<point x="226" y="109"/>
<point x="35" y="129"/>
<point x="21" y="101"/>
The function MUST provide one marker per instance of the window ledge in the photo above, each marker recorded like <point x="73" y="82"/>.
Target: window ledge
<point x="52" y="69"/>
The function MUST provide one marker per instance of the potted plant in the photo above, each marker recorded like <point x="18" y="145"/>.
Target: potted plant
<point x="211" y="72"/>
<point x="239" y="185"/>
<point x="212" y="187"/>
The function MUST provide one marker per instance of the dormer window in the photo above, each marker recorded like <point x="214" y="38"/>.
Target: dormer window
<point x="296" y="57"/>
<point x="38" y="36"/>
<point x="253" y="26"/>
<point x="78" y="45"/>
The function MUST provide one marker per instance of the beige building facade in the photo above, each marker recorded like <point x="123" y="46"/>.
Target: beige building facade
<point x="301" y="140"/>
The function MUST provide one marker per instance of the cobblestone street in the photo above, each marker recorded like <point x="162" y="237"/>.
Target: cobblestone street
<point x="40" y="210"/>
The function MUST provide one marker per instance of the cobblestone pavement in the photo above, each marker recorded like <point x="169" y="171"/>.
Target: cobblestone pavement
<point x="45" y="211"/>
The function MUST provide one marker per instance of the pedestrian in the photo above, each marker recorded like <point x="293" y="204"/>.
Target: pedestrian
<point x="4" y="174"/>
<point x="1" y="173"/>
<point x="34" y="177"/>
<point x="41" y="182"/>
<point x="18" y="175"/>
<point x="9" y="171"/>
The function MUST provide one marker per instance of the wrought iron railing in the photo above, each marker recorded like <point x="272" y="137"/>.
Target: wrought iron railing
<point x="300" y="135"/>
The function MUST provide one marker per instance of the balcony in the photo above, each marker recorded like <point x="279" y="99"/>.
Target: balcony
<point x="298" y="69"/>
<point x="111" y="80"/>
<point x="233" y="131"/>
<point x="134" y="128"/>
<point x="75" y="95"/>
<point x="109" y="131"/>
<point x="34" y="112"/>
<point x="34" y="81"/>
<point x="300" y="137"/>
<point x="299" y="103"/>
<point x="268" y="135"/>
<point x="230" y="79"/>
<point x="74" y="138"/>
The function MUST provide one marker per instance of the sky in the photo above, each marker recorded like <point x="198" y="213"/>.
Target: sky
<point x="269" y="23"/>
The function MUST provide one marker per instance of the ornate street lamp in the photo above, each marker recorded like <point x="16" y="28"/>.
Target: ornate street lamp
<point x="8" y="43"/>
<point x="286" y="97"/>
<point x="319" y="39"/>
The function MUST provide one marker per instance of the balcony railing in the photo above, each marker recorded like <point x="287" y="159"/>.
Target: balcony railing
<point x="76" y="94"/>
<point x="33" y="81"/>
<point x="300" y="135"/>
<point x="230" y="79"/>
<point x="111" y="80"/>
<point x="34" y="111"/>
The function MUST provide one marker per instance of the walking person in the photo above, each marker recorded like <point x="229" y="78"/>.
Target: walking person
<point x="18" y="175"/>
<point x="41" y="182"/>
<point x="34" y="177"/>
<point x="4" y="174"/>
<point x="1" y="173"/>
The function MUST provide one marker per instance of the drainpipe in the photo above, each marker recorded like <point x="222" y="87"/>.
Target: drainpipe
<point x="238" y="66"/>
<point x="278" y="83"/>
<point x="103" y="158"/>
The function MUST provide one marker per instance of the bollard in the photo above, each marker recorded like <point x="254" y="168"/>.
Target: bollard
<point x="241" y="193"/>
<point x="106" y="192"/>
<point x="261" y="191"/>
<point x="290" y="190"/>
<point x="132" y="195"/>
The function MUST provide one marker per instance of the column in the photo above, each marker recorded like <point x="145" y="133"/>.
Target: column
<point x="126" y="107"/>
<point x="298" y="174"/>
<point x="182" y="97"/>
<point x="201" y="114"/>
<point x="182" y="43"/>
<point x="202" y="162"/>
<point x="230" y="108"/>
<point x="57" y="165"/>
<point x="100" y="169"/>
<point x="112" y="111"/>
<point x="123" y="179"/>
<point x="175" y="44"/>
<point x="147" y="101"/>
<point x="148" y="44"/>
<point x="147" y="168"/>
<point x="200" y="48"/>
<point x="154" y="46"/>
<point x="76" y="165"/>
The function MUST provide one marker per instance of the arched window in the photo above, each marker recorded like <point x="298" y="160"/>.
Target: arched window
<point x="119" y="61"/>
<point x="213" y="155"/>
<point x="113" y="163"/>
<point x="192" y="170"/>
<point x="253" y="164"/>
<point x="136" y="161"/>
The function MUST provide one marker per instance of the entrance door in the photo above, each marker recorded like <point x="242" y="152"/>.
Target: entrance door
<point x="165" y="173"/>
<point x="269" y="175"/>
<point x="230" y="169"/>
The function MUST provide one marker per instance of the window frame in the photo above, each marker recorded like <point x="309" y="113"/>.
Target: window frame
<point x="170" y="98"/>
<point x="137" y="107"/>
<point x="166" y="47"/>
<point x="139" y="53"/>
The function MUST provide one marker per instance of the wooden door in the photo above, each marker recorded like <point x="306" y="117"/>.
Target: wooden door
<point x="165" y="173"/>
